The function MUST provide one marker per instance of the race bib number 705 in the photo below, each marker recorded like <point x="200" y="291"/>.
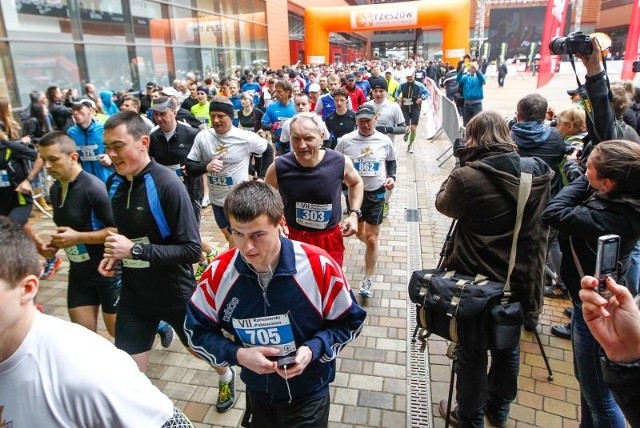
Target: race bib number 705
<point x="274" y="331"/>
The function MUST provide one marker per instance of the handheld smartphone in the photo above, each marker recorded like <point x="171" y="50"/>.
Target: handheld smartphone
<point x="607" y="260"/>
<point x="289" y="361"/>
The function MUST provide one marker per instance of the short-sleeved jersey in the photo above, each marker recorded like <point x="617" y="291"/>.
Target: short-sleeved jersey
<point x="389" y="113"/>
<point x="369" y="156"/>
<point x="236" y="148"/>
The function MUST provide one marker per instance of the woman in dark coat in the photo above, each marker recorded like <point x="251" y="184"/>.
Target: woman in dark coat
<point x="482" y="195"/>
<point x="606" y="200"/>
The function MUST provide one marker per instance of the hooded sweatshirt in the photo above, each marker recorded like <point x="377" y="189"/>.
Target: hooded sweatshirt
<point x="108" y="105"/>
<point x="540" y="140"/>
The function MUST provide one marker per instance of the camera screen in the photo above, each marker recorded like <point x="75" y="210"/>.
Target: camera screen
<point x="609" y="256"/>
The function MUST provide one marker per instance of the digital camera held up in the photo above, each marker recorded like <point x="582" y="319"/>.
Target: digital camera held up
<point x="574" y="43"/>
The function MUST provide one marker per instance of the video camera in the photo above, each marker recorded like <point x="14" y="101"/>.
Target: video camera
<point x="575" y="42"/>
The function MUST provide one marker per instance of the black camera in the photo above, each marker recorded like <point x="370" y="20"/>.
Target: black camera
<point x="574" y="43"/>
<point x="636" y="66"/>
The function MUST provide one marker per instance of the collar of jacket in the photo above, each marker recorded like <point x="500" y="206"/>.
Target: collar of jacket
<point x="286" y="263"/>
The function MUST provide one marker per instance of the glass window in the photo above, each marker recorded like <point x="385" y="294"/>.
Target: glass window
<point x="186" y="60"/>
<point x="144" y="14"/>
<point x="209" y="30"/>
<point x="102" y="21"/>
<point x="108" y="66"/>
<point x="40" y="65"/>
<point x="151" y="64"/>
<point x="184" y="26"/>
<point x="229" y="7"/>
<point x="258" y="12"/>
<point x="37" y="20"/>
<point x="230" y="33"/>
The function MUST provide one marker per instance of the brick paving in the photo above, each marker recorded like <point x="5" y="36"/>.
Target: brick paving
<point x="371" y="386"/>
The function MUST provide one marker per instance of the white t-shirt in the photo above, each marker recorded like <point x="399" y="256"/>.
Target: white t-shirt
<point x="64" y="375"/>
<point x="369" y="155"/>
<point x="235" y="147"/>
<point x="285" y="136"/>
<point x="389" y="113"/>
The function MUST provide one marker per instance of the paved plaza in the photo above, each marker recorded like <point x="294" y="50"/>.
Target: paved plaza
<point x="383" y="380"/>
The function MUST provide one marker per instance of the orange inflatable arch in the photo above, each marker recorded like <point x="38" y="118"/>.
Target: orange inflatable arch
<point x="451" y="15"/>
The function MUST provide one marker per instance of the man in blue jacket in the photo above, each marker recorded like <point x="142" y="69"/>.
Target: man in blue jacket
<point x="287" y="307"/>
<point x="472" y="82"/>
<point x="88" y="135"/>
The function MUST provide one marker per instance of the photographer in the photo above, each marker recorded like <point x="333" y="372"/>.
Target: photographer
<point x="605" y="200"/>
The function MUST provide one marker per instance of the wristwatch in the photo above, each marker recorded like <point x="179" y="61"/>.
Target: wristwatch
<point x="137" y="251"/>
<point x="358" y="213"/>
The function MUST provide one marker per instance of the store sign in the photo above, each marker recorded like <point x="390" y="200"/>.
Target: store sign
<point x="380" y="18"/>
<point x="318" y="59"/>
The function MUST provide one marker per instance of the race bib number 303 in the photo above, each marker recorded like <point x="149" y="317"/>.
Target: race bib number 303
<point x="274" y="331"/>
<point x="316" y="216"/>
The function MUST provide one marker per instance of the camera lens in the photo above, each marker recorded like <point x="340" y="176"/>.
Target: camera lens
<point x="558" y="46"/>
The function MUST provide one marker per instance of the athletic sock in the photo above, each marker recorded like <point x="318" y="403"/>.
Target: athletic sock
<point x="412" y="137"/>
<point x="226" y="377"/>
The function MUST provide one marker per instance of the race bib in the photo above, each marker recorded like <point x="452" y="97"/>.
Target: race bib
<point x="4" y="178"/>
<point x="88" y="153"/>
<point x="316" y="216"/>
<point x="177" y="168"/>
<point x="220" y="182"/>
<point x="137" y="264"/>
<point x="77" y="253"/>
<point x="367" y="167"/>
<point x="274" y="331"/>
<point x="407" y="101"/>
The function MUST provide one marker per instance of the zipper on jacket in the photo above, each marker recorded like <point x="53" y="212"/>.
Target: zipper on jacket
<point x="129" y="192"/>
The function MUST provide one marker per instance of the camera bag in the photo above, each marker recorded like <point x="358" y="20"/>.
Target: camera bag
<point x="470" y="310"/>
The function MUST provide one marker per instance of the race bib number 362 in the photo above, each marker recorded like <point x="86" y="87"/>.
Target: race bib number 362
<point x="273" y="331"/>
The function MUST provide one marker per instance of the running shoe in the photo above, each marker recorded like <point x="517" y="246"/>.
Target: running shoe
<point x="205" y="202"/>
<point x="411" y="148"/>
<point x="166" y="334"/>
<point x="365" y="287"/>
<point x="385" y="210"/>
<point x="226" y="393"/>
<point x="51" y="266"/>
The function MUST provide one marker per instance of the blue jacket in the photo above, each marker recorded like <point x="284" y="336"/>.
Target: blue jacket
<point x="471" y="85"/>
<point x="90" y="143"/>
<point x="307" y="285"/>
<point x="275" y="115"/>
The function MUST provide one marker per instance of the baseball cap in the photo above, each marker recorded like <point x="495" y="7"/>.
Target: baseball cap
<point x="573" y="92"/>
<point x="388" y="70"/>
<point x="365" y="112"/>
<point x="85" y="102"/>
<point x="314" y="87"/>
<point x="351" y="77"/>
<point x="378" y="83"/>
<point x="408" y="72"/>
<point x="151" y="85"/>
<point x="163" y="104"/>
<point x="170" y="92"/>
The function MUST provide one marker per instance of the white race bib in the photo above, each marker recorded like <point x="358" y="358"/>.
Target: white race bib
<point x="177" y="168"/>
<point x="77" y="253"/>
<point x="367" y="167"/>
<point x="274" y="331"/>
<point x="316" y="216"/>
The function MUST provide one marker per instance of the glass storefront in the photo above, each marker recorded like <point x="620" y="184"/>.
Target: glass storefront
<point x="123" y="44"/>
